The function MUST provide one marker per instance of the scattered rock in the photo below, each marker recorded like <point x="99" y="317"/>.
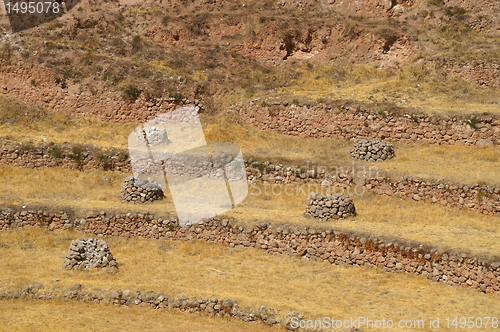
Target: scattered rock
<point x="484" y="142"/>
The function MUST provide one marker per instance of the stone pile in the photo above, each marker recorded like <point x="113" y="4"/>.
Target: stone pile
<point x="372" y="150"/>
<point x="140" y="190"/>
<point x="84" y="254"/>
<point x="330" y="207"/>
<point x="154" y="136"/>
<point x="155" y="300"/>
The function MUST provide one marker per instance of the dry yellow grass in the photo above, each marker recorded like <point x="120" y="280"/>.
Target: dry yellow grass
<point x="417" y="87"/>
<point x="55" y="316"/>
<point x="249" y="276"/>
<point x="23" y="122"/>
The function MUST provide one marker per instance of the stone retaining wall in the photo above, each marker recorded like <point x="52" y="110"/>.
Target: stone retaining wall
<point x="321" y="244"/>
<point x="481" y="198"/>
<point x="110" y="106"/>
<point x="34" y="156"/>
<point x="347" y="122"/>
<point x="90" y="253"/>
<point x="153" y="300"/>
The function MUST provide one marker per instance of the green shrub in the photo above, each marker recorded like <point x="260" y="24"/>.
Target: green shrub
<point x="131" y="92"/>
<point x="455" y="10"/>
<point x="473" y="122"/>
<point x="55" y="152"/>
<point x="176" y="95"/>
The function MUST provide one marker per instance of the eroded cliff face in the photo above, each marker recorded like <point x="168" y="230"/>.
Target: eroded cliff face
<point x="182" y="51"/>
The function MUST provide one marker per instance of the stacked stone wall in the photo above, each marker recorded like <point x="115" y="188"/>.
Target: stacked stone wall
<point x="319" y="244"/>
<point x="63" y="155"/>
<point x="89" y="253"/>
<point x="347" y="122"/>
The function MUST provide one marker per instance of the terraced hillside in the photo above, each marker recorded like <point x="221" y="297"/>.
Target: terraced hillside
<point x="293" y="84"/>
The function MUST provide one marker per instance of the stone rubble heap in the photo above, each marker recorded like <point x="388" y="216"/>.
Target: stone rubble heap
<point x="372" y="150"/>
<point x="155" y="136"/>
<point x="84" y="254"/>
<point x="330" y="207"/>
<point x="140" y="190"/>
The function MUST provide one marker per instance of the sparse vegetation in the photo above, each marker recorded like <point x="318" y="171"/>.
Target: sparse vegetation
<point x="472" y="122"/>
<point x="131" y="92"/>
<point x="436" y="58"/>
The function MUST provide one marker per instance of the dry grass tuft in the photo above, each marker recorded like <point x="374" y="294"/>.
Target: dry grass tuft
<point x="379" y="216"/>
<point x="461" y="164"/>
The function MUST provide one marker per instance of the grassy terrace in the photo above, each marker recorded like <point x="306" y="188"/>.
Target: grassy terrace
<point x="56" y="188"/>
<point x="217" y="47"/>
<point x="248" y="276"/>
<point x="50" y="316"/>
<point x="463" y="164"/>
<point x="381" y="216"/>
